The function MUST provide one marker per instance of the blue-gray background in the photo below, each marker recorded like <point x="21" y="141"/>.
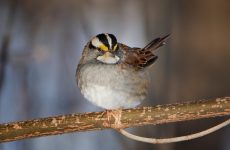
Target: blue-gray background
<point x="41" y="43"/>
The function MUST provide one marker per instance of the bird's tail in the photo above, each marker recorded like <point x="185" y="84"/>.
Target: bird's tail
<point x="156" y="43"/>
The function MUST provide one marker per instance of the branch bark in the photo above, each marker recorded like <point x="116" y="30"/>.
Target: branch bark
<point x="116" y="119"/>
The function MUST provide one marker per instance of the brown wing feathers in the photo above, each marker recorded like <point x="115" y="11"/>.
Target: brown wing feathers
<point x="145" y="58"/>
<point x="141" y="58"/>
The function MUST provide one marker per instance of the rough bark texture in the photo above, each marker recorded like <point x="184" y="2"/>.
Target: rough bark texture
<point x="115" y="119"/>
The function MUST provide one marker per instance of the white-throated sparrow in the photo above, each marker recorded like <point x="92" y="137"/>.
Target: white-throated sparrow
<point x="112" y="75"/>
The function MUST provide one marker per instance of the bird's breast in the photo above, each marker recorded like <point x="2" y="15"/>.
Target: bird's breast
<point x="111" y="87"/>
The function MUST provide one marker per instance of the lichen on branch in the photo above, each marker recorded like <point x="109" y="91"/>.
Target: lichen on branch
<point x="116" y="119"/>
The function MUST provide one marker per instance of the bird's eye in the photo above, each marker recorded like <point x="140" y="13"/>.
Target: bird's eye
<point x="91" y="46"/>
<point x="99" y="50"/>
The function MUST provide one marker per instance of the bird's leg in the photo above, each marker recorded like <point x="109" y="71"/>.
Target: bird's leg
<point x="112" y="118"/>
<point x="105" y="112"/>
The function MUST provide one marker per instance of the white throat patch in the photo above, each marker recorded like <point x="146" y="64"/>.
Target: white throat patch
<point x="108" y="59"/>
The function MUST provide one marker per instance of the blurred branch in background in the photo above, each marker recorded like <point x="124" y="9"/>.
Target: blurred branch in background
<point x="4" y="48"/>
<point x="116" y="119"/>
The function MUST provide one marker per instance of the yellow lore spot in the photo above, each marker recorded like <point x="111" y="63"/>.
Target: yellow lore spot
<point x="103" y="47"/>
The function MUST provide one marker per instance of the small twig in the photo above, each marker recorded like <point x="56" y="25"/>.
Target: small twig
<point x="174" y="139"/>
<point x="116" y="119"/>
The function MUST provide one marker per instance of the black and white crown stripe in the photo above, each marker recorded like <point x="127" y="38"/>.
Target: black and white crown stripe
<point x="103" y="39"/>
<point x="109" y="40"/>
<point x="114" y="40"/>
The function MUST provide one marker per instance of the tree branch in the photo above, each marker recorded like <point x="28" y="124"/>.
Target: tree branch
<point x="116" y="119"/>
<point x="175" y="139"/>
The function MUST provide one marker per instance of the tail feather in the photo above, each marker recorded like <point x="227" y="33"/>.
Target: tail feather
<point x="156" y="43"/>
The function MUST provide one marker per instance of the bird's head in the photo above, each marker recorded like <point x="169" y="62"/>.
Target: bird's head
<point x="104" y="48"/>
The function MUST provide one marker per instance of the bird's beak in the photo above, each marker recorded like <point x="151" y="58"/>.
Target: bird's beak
<point x="108" y="54"/>
<point x="108" y="58"/>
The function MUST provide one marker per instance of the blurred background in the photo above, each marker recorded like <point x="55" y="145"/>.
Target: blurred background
<point x="41" y="43"/>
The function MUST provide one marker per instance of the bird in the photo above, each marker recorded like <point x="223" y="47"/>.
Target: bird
<point x="112" y="75"/>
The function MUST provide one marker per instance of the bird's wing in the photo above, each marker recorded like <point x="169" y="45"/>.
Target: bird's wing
<point x="142" y="57"/>
<point x="139" y="59"/>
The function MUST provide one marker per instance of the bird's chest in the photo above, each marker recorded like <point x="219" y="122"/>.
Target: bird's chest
<point x="104" y="75"/>
<point x="112" y="87"/>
